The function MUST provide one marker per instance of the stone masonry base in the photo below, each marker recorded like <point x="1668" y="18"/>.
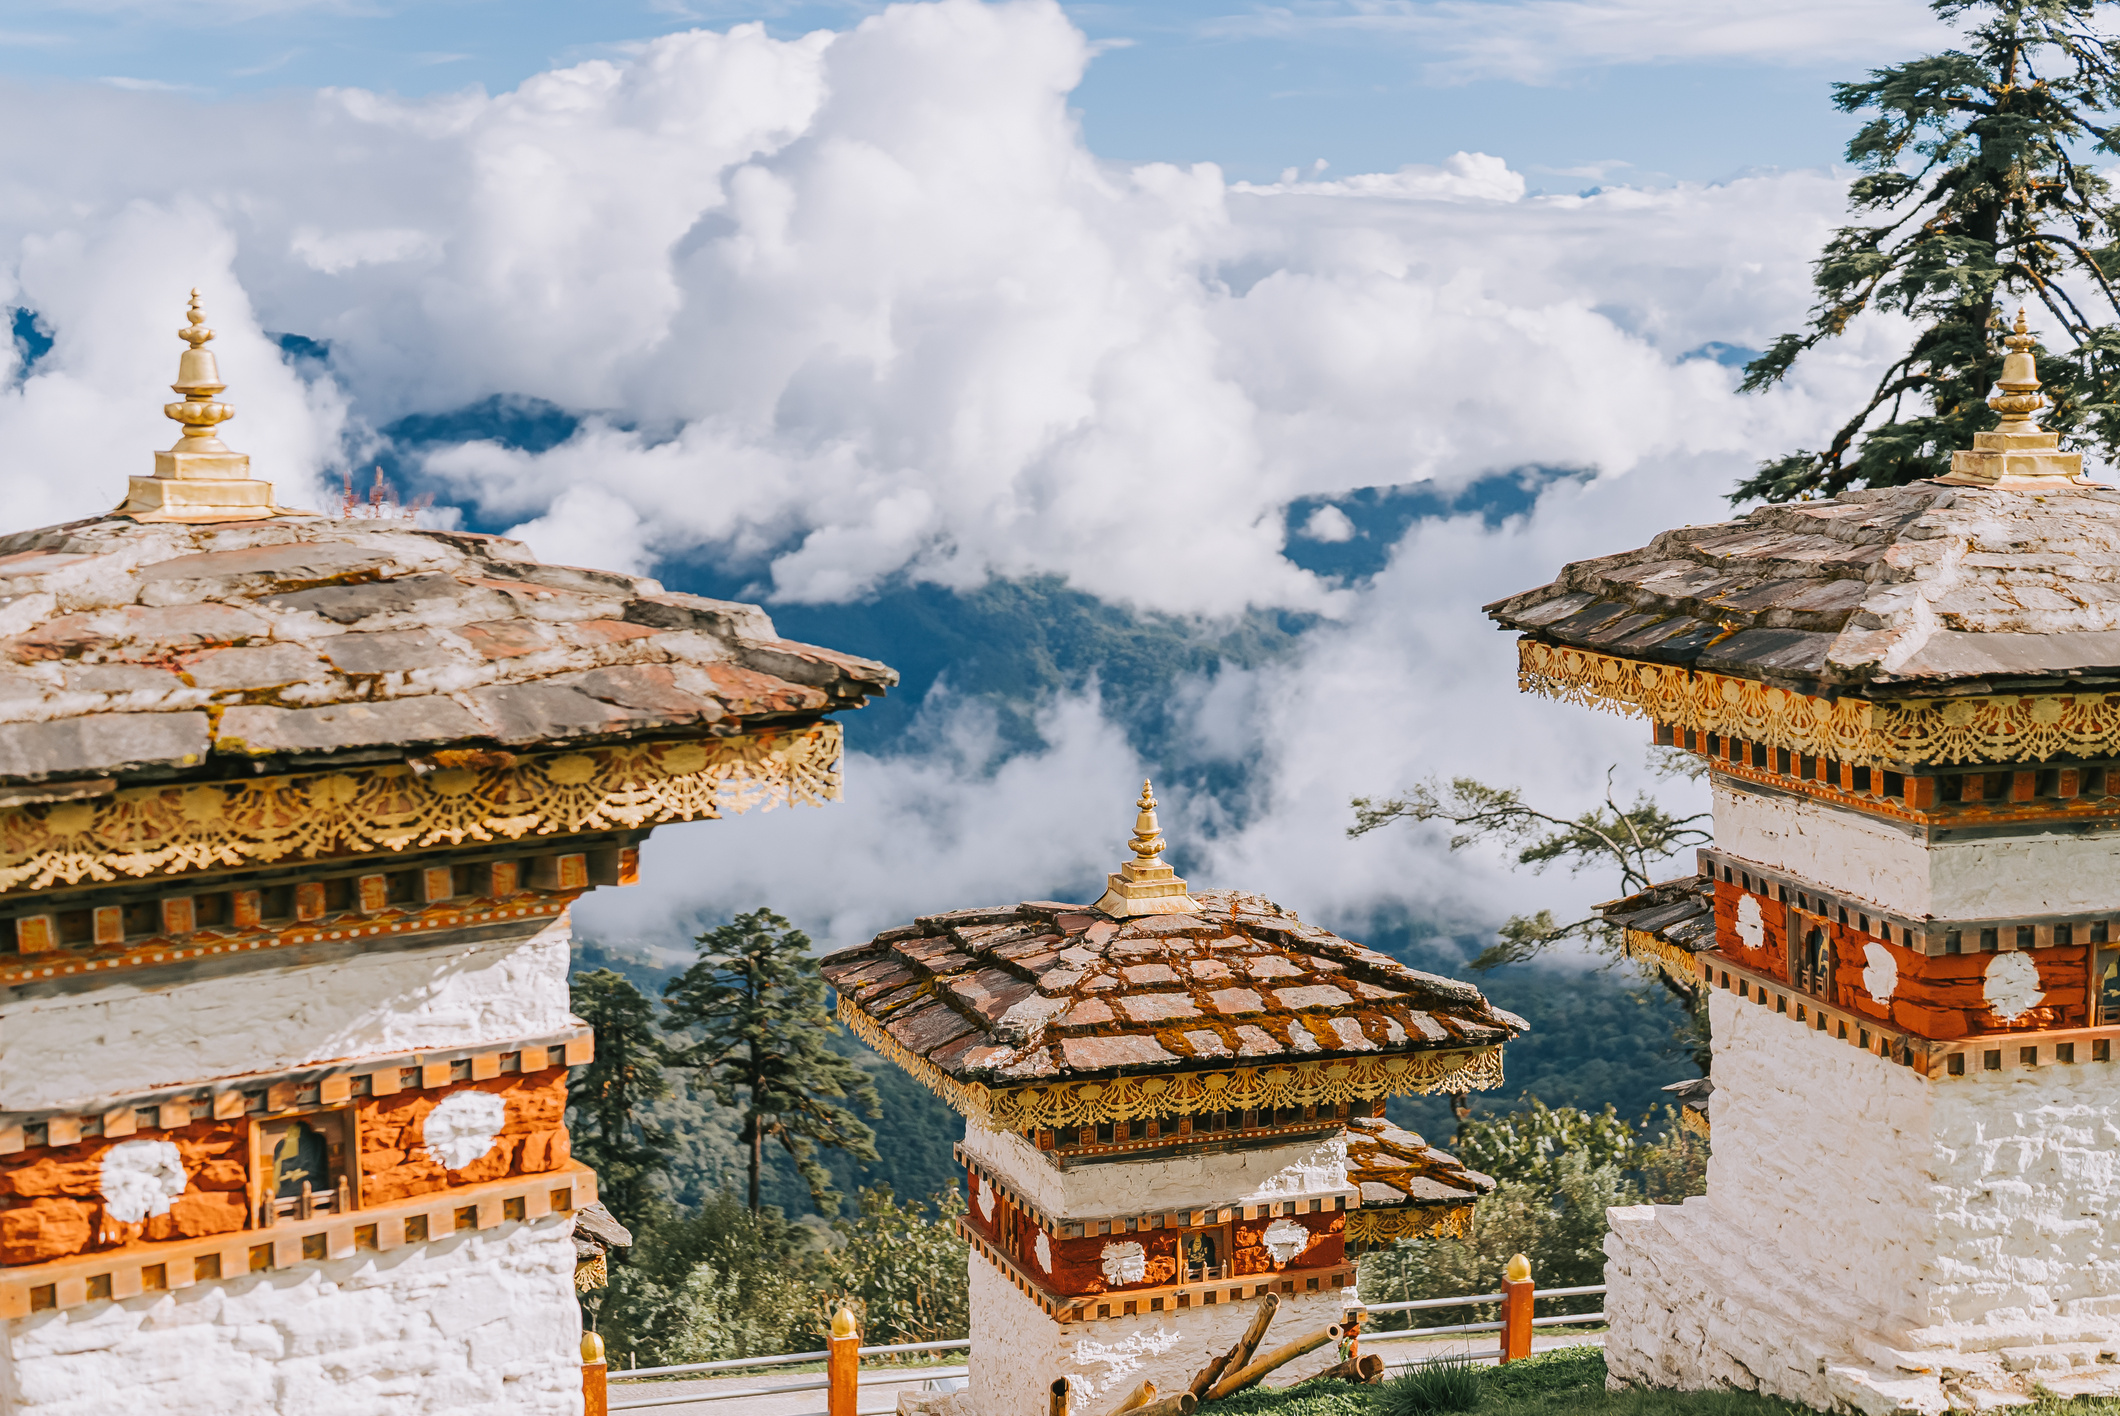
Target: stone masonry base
<point x="481" y="1323"/>
<point x="1017" y="1351"/>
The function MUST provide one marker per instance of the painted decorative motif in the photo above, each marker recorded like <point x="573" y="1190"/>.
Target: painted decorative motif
<point x="463" y="1126"/>
<point x="1751" y="925"/>
<point x="172" y="829"/>
<point x="2027" y="728"/>
<point x="138" y="1179"/>
<point x="2012" y="986"/>
<point x="1043" y="1248"/>
<point x="1284" y="1239"/>
<point x="985" y="1188"/>
<point x="1124" y="1263"/>
<point x="1880" y="974"/>
<point x="1306" y="1083"/>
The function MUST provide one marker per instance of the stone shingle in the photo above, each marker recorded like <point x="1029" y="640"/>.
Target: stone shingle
<point x="1125" y="995"/>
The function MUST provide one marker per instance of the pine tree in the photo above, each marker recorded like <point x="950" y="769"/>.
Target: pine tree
<point x="760" y="1039"/>
<point x="1973" y="168"/>
<point x="605" y="1097"/>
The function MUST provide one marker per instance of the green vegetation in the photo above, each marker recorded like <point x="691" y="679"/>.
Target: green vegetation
<point x="607" y="1099"/>
<point x="722" y="1281"/>
<point x="1557" y="1383"/>
<point x="1979" y="172"/>
<point x="1450" y="1383"/>
<point x="1557" y="1171"/>
<point x="754" y="1015"/>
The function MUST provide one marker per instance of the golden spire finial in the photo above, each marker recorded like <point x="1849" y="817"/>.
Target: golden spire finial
<point x="2018" y="454"/>
<point x="2019" y="398"/>
<point x="199" y="479"/>
<point x="1147" y="842"/>
<point x="1145" y="885"/>
<point x="198" y="380"/>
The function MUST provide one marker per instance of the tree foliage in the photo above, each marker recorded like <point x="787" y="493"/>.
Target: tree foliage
<point x="1634" y="839"/>
<point x="1976" y="177"/>
<point x="1557" y="1171"/>
<point x="607" y="1097"/>
<point x="757" y="1027"/>
<point x="903" y="1266"/>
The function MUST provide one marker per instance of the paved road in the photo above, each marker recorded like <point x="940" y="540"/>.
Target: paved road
<point x="750" y="1395"/>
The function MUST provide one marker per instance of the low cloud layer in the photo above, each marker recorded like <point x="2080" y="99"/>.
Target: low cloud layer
<point x="862" y="306"/>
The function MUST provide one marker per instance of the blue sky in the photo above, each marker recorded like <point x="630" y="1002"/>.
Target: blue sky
<point x="1569" y="93"/>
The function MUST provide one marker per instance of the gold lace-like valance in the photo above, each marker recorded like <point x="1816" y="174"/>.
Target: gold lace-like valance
<point x="2002" y="728"/>
<point x="167" y="830"/>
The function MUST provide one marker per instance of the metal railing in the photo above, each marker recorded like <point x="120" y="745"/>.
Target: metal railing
<point x="900" y="1376"/>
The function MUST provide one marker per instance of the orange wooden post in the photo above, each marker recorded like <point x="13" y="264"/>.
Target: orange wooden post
<point x="596" y="1397"/>
<point x="1517" y="1292"/>
<point x="842" y="1364"/>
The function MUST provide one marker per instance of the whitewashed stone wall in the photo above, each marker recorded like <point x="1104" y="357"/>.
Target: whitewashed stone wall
<point x="1102" y="1188"/>
<point x="1876" y="1242"/>
<point x="481" y="1324"/>
<point x="69" y="1050"/>
<point x="1872" y="860"/>
<point x="1017" y="1351"/>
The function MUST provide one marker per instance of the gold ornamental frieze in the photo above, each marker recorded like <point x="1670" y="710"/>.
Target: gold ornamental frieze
<point x="1376" y="1228"/>
<point x="1939" y="732"/>
<point x="166" y="830"/>
<point x="1306" y="1082"/>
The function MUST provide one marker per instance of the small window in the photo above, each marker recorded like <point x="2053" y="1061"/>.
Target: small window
<point x="2064" y="934"/>
<point x="1989" y="942"/>
<point x="1952" y="941"/>
<point x="2025" y="938"/>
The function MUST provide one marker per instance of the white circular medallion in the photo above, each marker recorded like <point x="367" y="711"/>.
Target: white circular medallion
<point x="139" y="1179"/>
<point x="462" y="1127"/>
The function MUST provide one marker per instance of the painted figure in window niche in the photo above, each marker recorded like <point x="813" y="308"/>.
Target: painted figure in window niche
<point x="1200" y="1254"/>
<point x="299" y="1154"/>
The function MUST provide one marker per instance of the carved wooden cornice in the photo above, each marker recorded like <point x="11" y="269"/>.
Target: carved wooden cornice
<point x="178" y="828"/>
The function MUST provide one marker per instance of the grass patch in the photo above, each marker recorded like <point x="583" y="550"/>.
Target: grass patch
<point x="1437" y="1385"/>
<point x="1557" y="1383"/>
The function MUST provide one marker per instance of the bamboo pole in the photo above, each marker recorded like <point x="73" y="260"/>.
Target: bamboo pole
<point x="1178" y="1403"/>
<point x="1063" y="1389"/>
<point x="1248" y="1376"/>
<point x="1139" y="1397"/>
<point x="1354" y="1369"/>
<point x="1205" y="1377"/>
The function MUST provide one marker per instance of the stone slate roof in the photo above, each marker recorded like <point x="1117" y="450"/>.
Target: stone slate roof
<point x="1891" y="593"/>
<point x="1679" y="912"/>
<point x="1394" y="1166"/>
<point x="158" y="649"/>
<point x="1039" y="992"/>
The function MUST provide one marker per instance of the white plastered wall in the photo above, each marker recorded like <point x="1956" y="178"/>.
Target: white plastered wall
<point x="1857" y="855"/>
<point x="1302" y="1169"/>
<point x="480" y="1324"/>
<point x="1017" y="1351"/>
<point x="1877" y="1240"/>
<point x="133" y="1036"/>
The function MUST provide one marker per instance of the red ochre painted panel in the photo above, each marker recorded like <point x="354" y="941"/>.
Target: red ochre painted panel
<point x="51" y="1198"/>
<point x="1771" y="955"/>
<point x="1938" y="996"/>
<point x="1079" y="1265"/>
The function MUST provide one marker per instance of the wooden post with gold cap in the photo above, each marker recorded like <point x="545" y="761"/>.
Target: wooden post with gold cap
<point x="1517" y="1293"/>
<point x="842" y="1363"/>
<point x="596" y="1397"/>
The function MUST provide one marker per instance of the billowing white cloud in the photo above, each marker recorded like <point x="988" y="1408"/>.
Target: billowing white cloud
<point x="861" y="305"/>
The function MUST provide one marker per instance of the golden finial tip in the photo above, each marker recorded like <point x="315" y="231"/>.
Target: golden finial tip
<point x="843" y="1325"/>
<point x="1145" y="885"/>
<point x="1519" y="1268"/>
